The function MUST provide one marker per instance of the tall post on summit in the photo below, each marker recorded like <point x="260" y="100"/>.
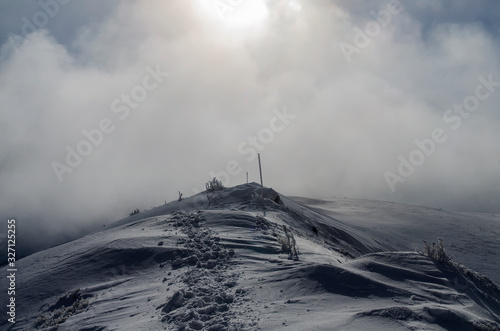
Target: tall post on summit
<point x="261" y="184"/>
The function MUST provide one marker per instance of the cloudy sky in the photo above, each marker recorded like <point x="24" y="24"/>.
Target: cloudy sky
<point x="108" y="106"/>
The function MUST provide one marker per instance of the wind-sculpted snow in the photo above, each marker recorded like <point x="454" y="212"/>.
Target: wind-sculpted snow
<point x="219" y="263"/>
<point x="473" y="239"/>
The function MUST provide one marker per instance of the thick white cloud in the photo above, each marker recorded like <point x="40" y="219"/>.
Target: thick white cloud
<point x="353" y="120"/>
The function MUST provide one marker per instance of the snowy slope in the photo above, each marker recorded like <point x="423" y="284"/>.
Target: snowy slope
<point x="473" y="239"/>
<point x="216" y="264"/>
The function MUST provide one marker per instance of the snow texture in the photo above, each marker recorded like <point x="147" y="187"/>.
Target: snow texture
<point x="218" y="261"/>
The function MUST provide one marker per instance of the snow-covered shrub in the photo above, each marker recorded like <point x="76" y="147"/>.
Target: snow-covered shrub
<point x="289" y="245"/>
<point x="214" y="185"/>
<point x="437" y="252"/>
<point x="134" y="212"/>
<point x="74" y="302"/>
<point x="214" y="196"/>
<point x="472" y="280"/>
<point x="214" y="199"/>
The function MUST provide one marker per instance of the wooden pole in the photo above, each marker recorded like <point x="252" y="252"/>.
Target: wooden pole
<point x="261" y="184"/>
<point x="247" y="177"/>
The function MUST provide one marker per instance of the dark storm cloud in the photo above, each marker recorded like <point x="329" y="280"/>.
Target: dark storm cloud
<point x="157" y="97"/>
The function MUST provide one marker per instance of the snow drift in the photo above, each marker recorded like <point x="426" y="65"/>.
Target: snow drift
<point x="217" y="261"/>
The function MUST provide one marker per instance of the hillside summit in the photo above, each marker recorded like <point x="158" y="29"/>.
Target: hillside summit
<point x="218" y="261"/>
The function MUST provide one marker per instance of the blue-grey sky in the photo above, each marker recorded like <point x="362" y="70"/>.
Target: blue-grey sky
<point x="108" y="106"/>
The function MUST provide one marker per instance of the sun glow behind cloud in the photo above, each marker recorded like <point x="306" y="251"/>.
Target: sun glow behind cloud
<point x="236" y="13"/>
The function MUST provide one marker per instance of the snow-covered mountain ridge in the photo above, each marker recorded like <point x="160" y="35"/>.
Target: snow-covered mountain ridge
<point x="215" y="262"/>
